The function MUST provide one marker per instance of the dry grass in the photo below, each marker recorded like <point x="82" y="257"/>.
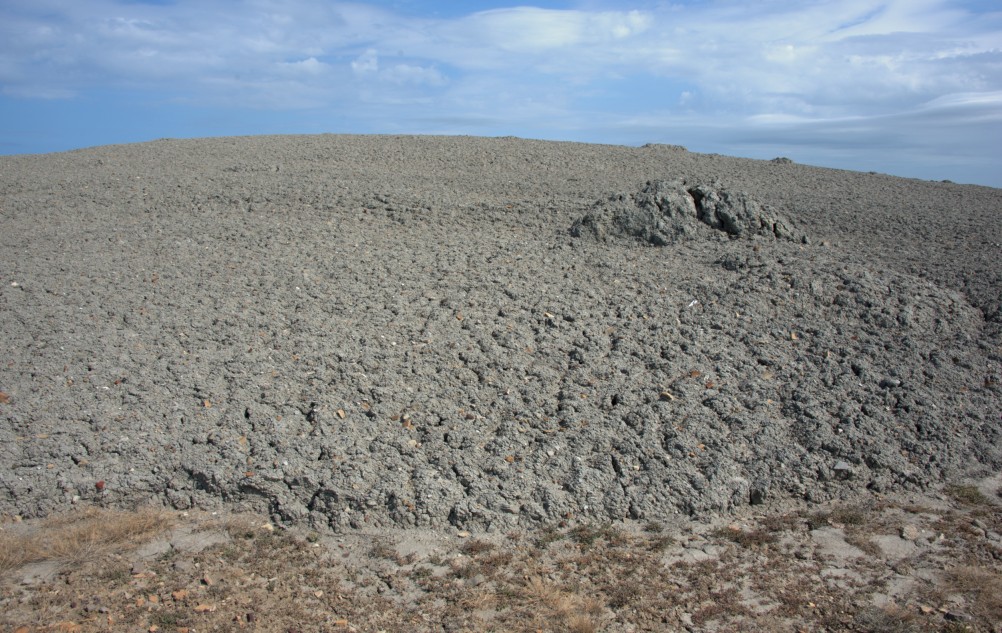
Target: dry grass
<point x="587" y="534"/>
<point x="477" y="546"/>
<point x="556" y="603"/>
<point x="969" y="495"/>
<point x="983" y="589"/>
<point x="12" y="554"/>
<point x="581" y="578"/>
<point x="864" y="544"/>
<point x="80" y="536"/>
<point x="853" y="515"/>
<point x="746" y="538"/>
<point x="381" y="548"/>
<point x="891" y="619"/>
<point x="581" y="624"/>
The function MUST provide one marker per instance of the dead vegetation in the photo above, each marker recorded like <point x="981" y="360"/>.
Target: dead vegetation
<point x="77" y="537"/>
<point x="757" y="573"/>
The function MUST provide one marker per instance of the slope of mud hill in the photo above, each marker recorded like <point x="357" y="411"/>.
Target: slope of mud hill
<point x="351" y="331"/>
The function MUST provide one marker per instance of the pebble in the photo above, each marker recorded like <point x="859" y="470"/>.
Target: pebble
<point x="910" y="533"/>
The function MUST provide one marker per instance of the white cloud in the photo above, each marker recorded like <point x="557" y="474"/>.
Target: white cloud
<point x="743" y="56"/>
<point x="967" y="107"/>
<point x="367" y="62"/>
<point x="533" y="30"/>
<point x="553" y="41"/>
<point x="720" y="65"/>
<point x="525" y="29"/>
<point x="309" y="66"/>
<point x="367" y="67"/>
<point x="411" y="74"/>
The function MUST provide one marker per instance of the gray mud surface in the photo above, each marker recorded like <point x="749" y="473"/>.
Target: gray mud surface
<point x="352" y="331"/>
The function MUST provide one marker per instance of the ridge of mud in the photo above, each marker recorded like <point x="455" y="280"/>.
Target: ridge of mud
<point x="340" y="335"/>
<point x="666" y="212"/>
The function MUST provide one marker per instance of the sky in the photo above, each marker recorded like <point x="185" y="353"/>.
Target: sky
<point x="906" y="87"/>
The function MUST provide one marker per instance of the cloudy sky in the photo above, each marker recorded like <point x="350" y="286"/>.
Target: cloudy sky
<point x="907" y="87"/>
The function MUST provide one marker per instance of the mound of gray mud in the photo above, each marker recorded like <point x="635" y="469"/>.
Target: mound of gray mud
<point x="422" y="331"/>
<point x="663" y="213"/>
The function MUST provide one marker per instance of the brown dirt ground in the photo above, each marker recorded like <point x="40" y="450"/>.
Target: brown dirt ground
<point x="903" y="563"/>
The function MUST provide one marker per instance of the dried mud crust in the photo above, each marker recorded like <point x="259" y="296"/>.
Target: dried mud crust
<point x="349" y="332"/>
<point x="904" y="563"/>
<point x="664" y="213"/>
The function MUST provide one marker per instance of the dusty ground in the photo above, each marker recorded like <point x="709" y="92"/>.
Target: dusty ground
<point x="892" y="564"/>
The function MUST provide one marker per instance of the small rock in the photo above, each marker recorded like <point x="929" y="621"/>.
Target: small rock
<point x="902" y="568"/>
<point x="894" y="547"/>
<point x="957" y="616"/>
<point x="910" y="533"/>
<point x="183" y="566"/>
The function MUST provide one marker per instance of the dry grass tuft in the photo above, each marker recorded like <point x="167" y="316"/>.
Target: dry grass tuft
<point x="581" y="624"/>
<point x="746" y="538"/>
<point x="539" y="591"/>
<point x="660" y="543"/>
<point x="888" y="620"/>
<point x="480" y="599"/>
<point x="983" y="587"/>
<point x="12" y="553"/>
<point x="552" y="602"/>
<point x="81" y="536"/>
<point x="588" y="534"/>
<point x="864" y="544"/>
<point x="382" y="548"/>
<point x="844" y="516"/>
<point x="548" y="535"/>
<point x="969" y="495"/>
<point x="478" y="546"/>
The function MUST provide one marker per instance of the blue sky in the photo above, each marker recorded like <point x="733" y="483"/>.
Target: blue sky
<point x="907" y="87"/>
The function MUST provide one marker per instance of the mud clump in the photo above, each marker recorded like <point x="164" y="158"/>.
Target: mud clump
<point x="667" y="212"/>
<point x="359" y="340"/>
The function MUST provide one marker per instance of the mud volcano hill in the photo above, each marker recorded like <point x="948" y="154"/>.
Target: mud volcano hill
<point x="487" y="333"/>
